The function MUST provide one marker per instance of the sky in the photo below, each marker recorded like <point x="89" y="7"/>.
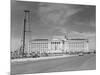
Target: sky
<point x="53" y="19"/>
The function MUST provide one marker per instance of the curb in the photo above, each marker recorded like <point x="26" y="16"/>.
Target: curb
<point x="41" y="58"/>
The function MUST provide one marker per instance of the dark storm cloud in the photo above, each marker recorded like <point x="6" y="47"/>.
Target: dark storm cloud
<point x="84" y="20"/>
<point x="69" y="17"/>
<point x="48" y="17"/>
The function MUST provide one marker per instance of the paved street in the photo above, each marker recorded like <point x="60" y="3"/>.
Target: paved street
<point x="87" y="62"/>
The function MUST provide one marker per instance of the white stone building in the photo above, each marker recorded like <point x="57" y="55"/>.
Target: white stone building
<point x="59" y="45"/>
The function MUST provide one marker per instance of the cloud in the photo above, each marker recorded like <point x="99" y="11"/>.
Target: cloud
<point x="87" y="35"/>
<point x="53" y="15"/>
<point x="59" y="17"/>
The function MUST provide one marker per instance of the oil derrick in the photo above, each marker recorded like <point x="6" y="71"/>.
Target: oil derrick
<point x="26" y="29"/>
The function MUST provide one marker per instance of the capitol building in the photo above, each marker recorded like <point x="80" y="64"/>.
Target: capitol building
<point x="59" y="45"/>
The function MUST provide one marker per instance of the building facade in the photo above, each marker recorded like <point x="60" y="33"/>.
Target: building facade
<point x="55" y="46"/>
<point x="39" y="45"/>
<point x="59" y="46"/>
<point x="76" y="45"/>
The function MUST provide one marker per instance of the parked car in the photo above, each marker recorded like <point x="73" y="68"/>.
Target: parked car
<point x="34" y="55"/>
<point x="80" y="54"/>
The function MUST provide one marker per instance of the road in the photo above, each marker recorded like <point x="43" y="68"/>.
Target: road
<point x="75" y="63"/>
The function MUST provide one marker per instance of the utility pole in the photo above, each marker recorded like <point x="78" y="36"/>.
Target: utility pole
<point x="26" y="20"/>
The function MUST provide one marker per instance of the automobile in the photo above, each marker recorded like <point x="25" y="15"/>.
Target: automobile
<point x="94" y="52"/>
<point x="80" y="54"/>
<point x="34" y="55"/>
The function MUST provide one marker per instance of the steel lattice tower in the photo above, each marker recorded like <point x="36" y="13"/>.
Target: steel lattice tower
<point x="26" y="23"/>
